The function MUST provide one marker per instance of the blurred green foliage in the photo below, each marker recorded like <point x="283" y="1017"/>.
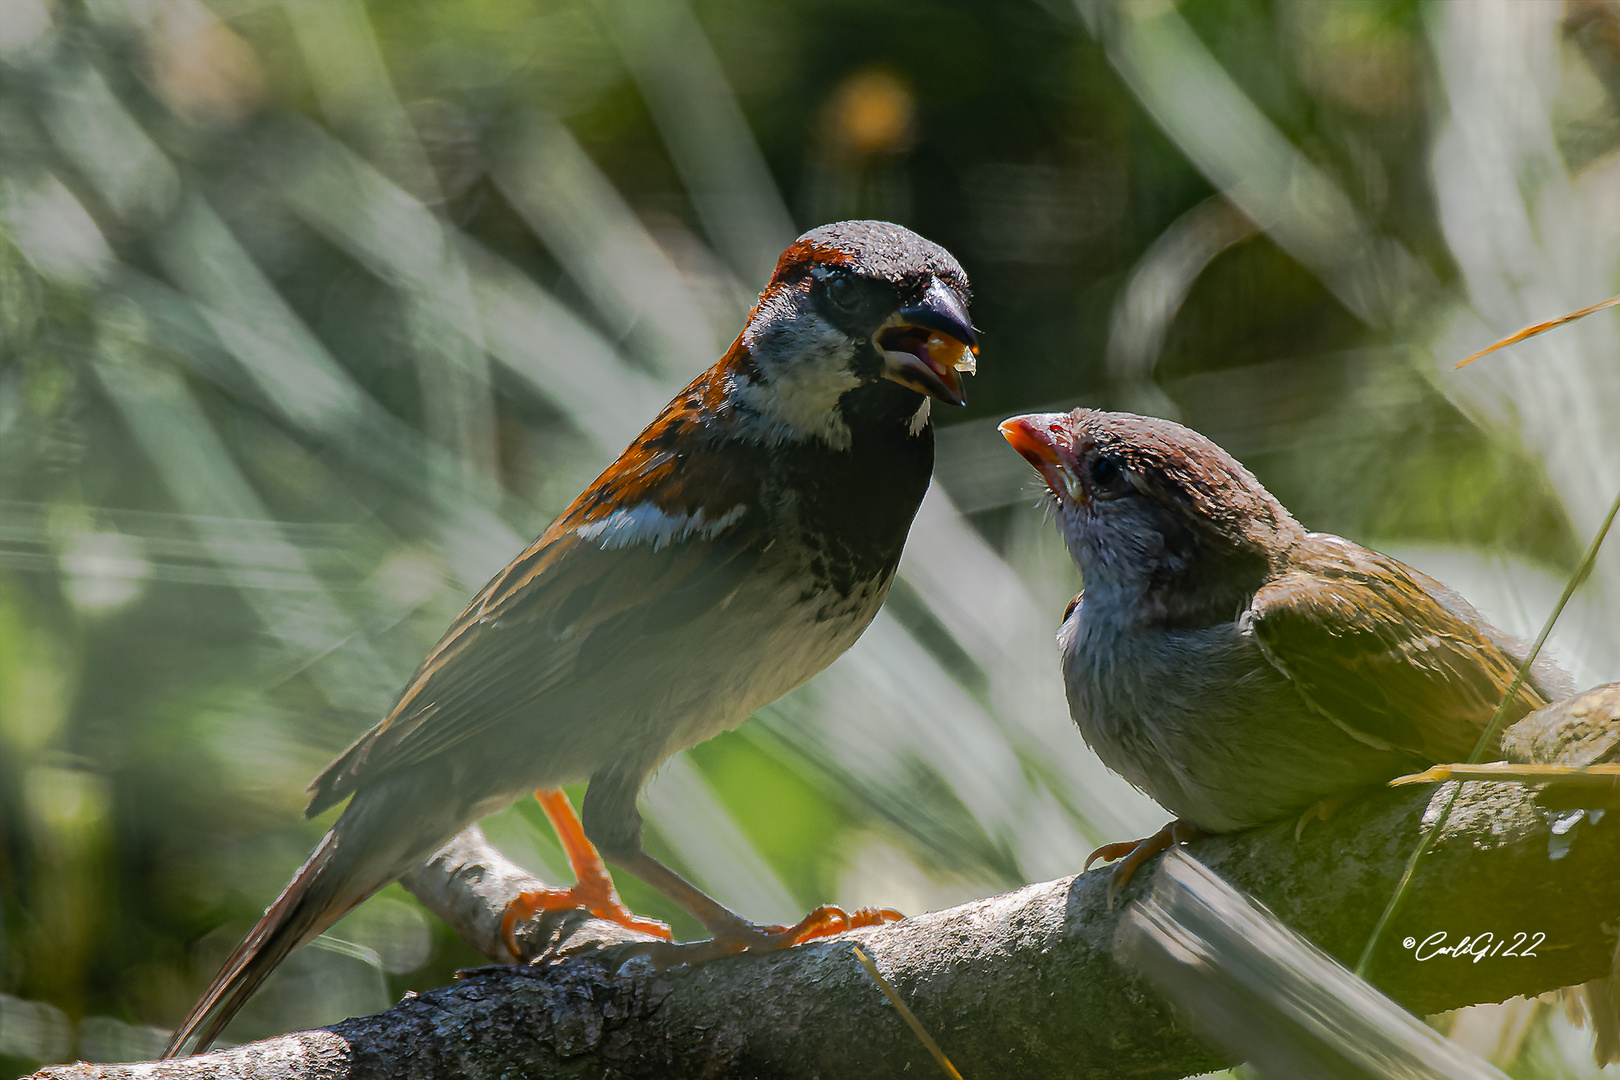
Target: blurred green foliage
<point x="312" y="312"/>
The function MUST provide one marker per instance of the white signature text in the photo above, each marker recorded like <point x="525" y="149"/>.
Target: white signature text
<point x="1475" y="947"/>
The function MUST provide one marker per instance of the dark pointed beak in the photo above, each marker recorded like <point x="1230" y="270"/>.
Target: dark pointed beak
<point x="1044" y="440"/>
<point x="925" y="344"/>
<point x="943" y="310"/>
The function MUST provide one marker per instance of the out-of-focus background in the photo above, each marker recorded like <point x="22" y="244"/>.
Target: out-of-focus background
<point x="312" y="313"/>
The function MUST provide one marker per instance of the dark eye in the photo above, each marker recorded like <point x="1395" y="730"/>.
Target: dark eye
<point x="1108" y="478"/>
<point x="842" y="292"/>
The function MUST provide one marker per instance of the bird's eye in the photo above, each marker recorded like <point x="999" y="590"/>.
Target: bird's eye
<point x="842" y="292"/>
<point x="1109" y="479"/>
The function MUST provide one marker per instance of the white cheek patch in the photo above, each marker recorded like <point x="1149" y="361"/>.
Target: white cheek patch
<point x="645" y="523"/>
<point x="803" y="363"/>
<point x="797" y="406"/>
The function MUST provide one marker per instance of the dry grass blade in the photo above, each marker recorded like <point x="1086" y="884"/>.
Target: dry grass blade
<point x="906" y="1014"/>
<point x="1538" y="328"/>
<point x="1510" y="772"/>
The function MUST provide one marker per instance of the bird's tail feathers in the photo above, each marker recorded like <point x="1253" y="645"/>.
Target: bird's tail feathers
<point x="321" y="893"/>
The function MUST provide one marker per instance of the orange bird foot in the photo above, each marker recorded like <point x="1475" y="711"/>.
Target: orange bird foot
<point x="1133" y="853"/>
<point x="824" y="921"/>
<point x="604" y="904"/>
<point x="593" y="891"/>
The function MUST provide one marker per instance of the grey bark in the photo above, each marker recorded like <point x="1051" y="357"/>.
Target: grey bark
<point x="1019" y="985"/>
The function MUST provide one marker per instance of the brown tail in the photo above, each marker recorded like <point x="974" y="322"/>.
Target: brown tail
<point x="317" y="897"/>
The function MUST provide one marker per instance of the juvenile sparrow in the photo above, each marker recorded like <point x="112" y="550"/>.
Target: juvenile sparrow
<point x="744" y="540"/>
<point x="1230" y="664"/>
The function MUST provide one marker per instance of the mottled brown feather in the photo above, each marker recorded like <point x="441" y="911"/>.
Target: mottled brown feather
<point x="1381" y="652"/>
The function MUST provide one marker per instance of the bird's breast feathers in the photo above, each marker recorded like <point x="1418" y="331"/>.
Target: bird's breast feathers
<point x="1196" y="718"/>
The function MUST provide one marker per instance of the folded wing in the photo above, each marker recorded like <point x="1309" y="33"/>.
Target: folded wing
<point x="621" y="566"/>
<point x="1388" y="654"/>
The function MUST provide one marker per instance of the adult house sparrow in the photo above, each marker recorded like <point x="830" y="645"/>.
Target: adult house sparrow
<point x="744" y="540"/>
<point x="1230" y="664"/>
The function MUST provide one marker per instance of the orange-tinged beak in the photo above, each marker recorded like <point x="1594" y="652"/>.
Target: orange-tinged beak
<point x="1043" y="439"/>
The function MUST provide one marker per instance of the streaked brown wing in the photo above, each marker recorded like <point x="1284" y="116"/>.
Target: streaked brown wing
<point x="1380" y="654"/>
<point x="571" y="604"/>
<point x="562" y="611"/>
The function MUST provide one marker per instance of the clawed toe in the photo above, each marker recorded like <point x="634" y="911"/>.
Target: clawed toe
<point x="825" y="921"/>
<point x="527" y="905"/>
<point x="1133" y="853"/>
<point x="1110" y="852"/>
<point x="829" y="920"/>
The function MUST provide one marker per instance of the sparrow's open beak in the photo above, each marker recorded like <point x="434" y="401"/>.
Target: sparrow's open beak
<point x="1043" y="439"/>
<point x="925" y="344"/>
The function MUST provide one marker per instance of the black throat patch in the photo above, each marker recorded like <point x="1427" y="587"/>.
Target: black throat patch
<point x="852" y="508"/>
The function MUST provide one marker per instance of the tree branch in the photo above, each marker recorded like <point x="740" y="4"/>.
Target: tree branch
<point x="1016" y="985"/>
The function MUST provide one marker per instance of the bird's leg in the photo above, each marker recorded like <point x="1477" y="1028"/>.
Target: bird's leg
<point x="593" y="889"/>
<point x="1133" y="853"/>
<point x="614" y="823"/>
<point x="731" y="932"/>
